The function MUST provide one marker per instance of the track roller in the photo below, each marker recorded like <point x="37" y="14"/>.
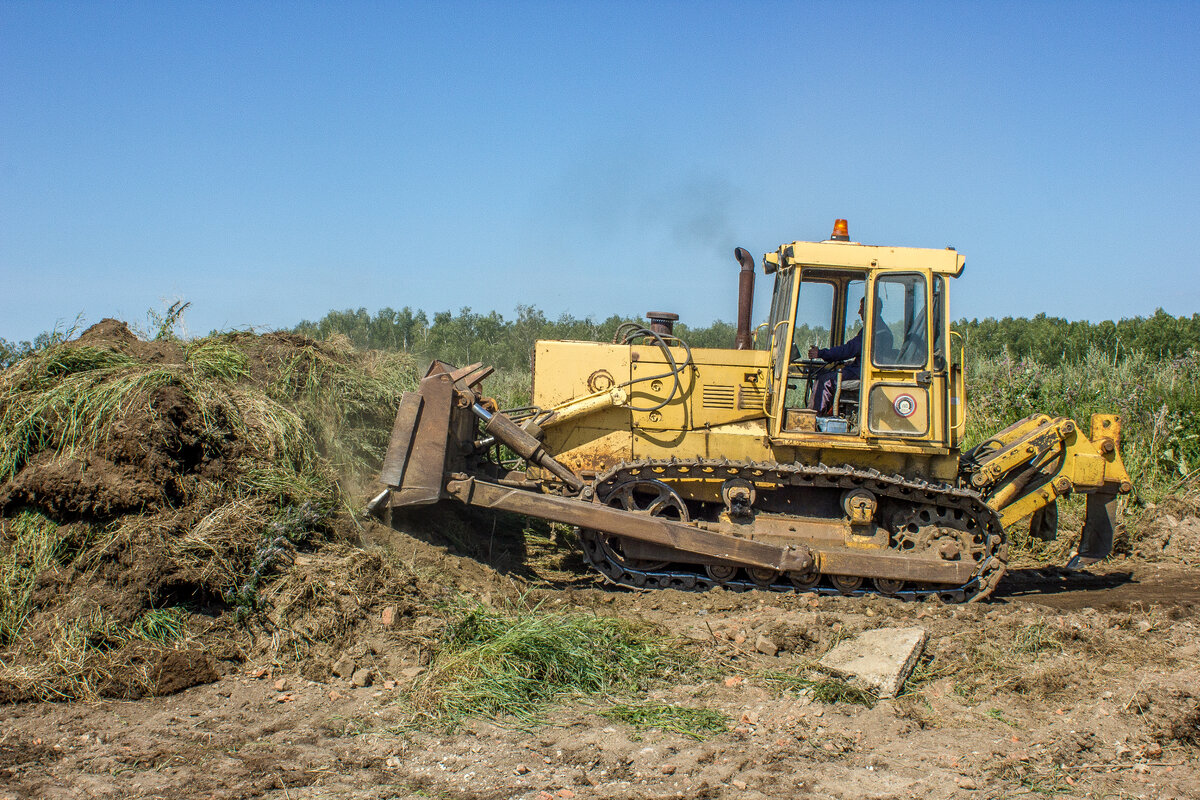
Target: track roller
<point x="762" y="577"/>
<point x="846" y="584"/>
<point x="888" y="586"/>
<point x="721" y="572"/>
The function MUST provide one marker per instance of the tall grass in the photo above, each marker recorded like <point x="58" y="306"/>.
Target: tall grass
<point x="1158" y="400"/>
<point x="512" y="388"/>
<point x="347" y="405"/>
<point x="31" y="543"/>
<point x="516" y="662"/>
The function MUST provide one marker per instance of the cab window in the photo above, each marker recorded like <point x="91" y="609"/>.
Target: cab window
<point x="814" y="315"/>
<point x="852" y="322"/>
<point x="939" y="322"/>
<point x="899" y="335"/>
<point x="780" y="306"/>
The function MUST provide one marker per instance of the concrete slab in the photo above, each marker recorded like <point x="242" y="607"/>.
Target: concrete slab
<point x="878" y="660"/>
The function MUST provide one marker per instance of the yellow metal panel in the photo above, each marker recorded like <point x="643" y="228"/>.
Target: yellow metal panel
<point x="898" y="409"/>
<point x="562" y="370"/>
<point x="651" y="384"/>
<point x="1106" y="435"/>
<point x="592" y="448"/>
<point x="747" y="441"/>
<point x="742" y="441"/>
<point x="1028" y="504"/>
<point x="1088" y="470"/>
<point x="720" y="387"/>
<point x="756" y="359"/>
<point x="861" y="256"/>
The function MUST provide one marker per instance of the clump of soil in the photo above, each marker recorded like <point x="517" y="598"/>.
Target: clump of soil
<point x="151" y="493"/>
<point x="1171" y="712"/>
<point x="153" y="456"/>
<point x="1170" y="531"/>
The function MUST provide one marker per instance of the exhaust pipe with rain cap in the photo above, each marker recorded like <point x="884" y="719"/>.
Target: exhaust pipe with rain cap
<point x="745" y="337"/>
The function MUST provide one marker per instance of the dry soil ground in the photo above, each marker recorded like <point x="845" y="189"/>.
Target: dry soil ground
<point x="1059" y="687"/>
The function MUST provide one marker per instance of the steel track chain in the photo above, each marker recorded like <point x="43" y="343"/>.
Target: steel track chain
<point x="906" y="490"/>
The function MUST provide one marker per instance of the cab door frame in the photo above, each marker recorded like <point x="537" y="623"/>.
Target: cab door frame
<point x="897" y="397"/>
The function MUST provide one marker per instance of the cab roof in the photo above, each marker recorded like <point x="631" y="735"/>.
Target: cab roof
<point x="853" y="255"/>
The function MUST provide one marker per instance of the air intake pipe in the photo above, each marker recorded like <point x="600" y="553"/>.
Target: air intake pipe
<point x="745" y="336"/>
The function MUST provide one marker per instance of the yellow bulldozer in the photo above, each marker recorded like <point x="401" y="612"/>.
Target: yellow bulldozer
<point x="828" y="458"/>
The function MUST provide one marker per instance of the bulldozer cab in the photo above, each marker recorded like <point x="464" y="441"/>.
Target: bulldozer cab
<point x="859" y="341"/>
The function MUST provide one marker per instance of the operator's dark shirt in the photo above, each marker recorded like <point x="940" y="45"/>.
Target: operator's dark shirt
<point x="843" y="352"/>
<point x="851" y="351"/>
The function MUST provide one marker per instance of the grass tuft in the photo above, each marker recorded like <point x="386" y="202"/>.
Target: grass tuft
<point x="162" y="625"/>
<point x="516" y="662"/>
<point x="218" y="357"/>
<point x="33" y="545"/>
<point x="824" y="689"/>
<point x="696" y="723"/>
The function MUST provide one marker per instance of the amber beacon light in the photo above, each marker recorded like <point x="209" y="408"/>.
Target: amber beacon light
<point x="841" y="231"/>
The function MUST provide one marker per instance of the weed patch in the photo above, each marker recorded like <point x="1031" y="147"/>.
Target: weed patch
<point x="517" y="661"/>
<point x="822" y="688"/>
<point x="33" y="544"/>
<point x="162" y="625"/>
<point x="696" y="723"/>
<point x="998" y="715"/>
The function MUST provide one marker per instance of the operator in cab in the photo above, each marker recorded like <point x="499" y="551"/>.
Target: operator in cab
<point x="850" y="352"/>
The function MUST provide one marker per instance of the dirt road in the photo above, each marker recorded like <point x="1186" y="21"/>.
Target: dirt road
<point x="1119" y="586"/>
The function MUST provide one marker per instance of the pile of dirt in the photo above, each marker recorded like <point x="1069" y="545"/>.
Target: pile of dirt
<point x="1170" y="531"/>
<point x="153" y="493"/>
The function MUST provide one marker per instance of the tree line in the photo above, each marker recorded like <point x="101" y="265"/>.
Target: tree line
<point x="1053" y="340"/>
<point x="507" y="342"/>
<point x="469" y="336"/>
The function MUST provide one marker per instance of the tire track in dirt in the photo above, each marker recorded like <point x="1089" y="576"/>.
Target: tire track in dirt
<point x="1117" y="585"/>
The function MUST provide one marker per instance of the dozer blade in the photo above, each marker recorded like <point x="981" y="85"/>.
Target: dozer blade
<point x="400" y="444"/>
<point x="416" y="455"/>
<point x="1098" y="527"/>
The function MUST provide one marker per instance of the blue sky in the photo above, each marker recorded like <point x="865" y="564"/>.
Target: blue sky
<point x="271" y="161"/>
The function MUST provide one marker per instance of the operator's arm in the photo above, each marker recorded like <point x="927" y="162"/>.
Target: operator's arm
<point x="843" y="352"/>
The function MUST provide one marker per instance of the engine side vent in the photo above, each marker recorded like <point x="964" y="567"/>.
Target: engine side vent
<point x="716" y="396"/>
<point x="750" y="397"/>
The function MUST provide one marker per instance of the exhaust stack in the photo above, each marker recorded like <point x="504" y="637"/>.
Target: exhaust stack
<point x="745" y="337"/>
